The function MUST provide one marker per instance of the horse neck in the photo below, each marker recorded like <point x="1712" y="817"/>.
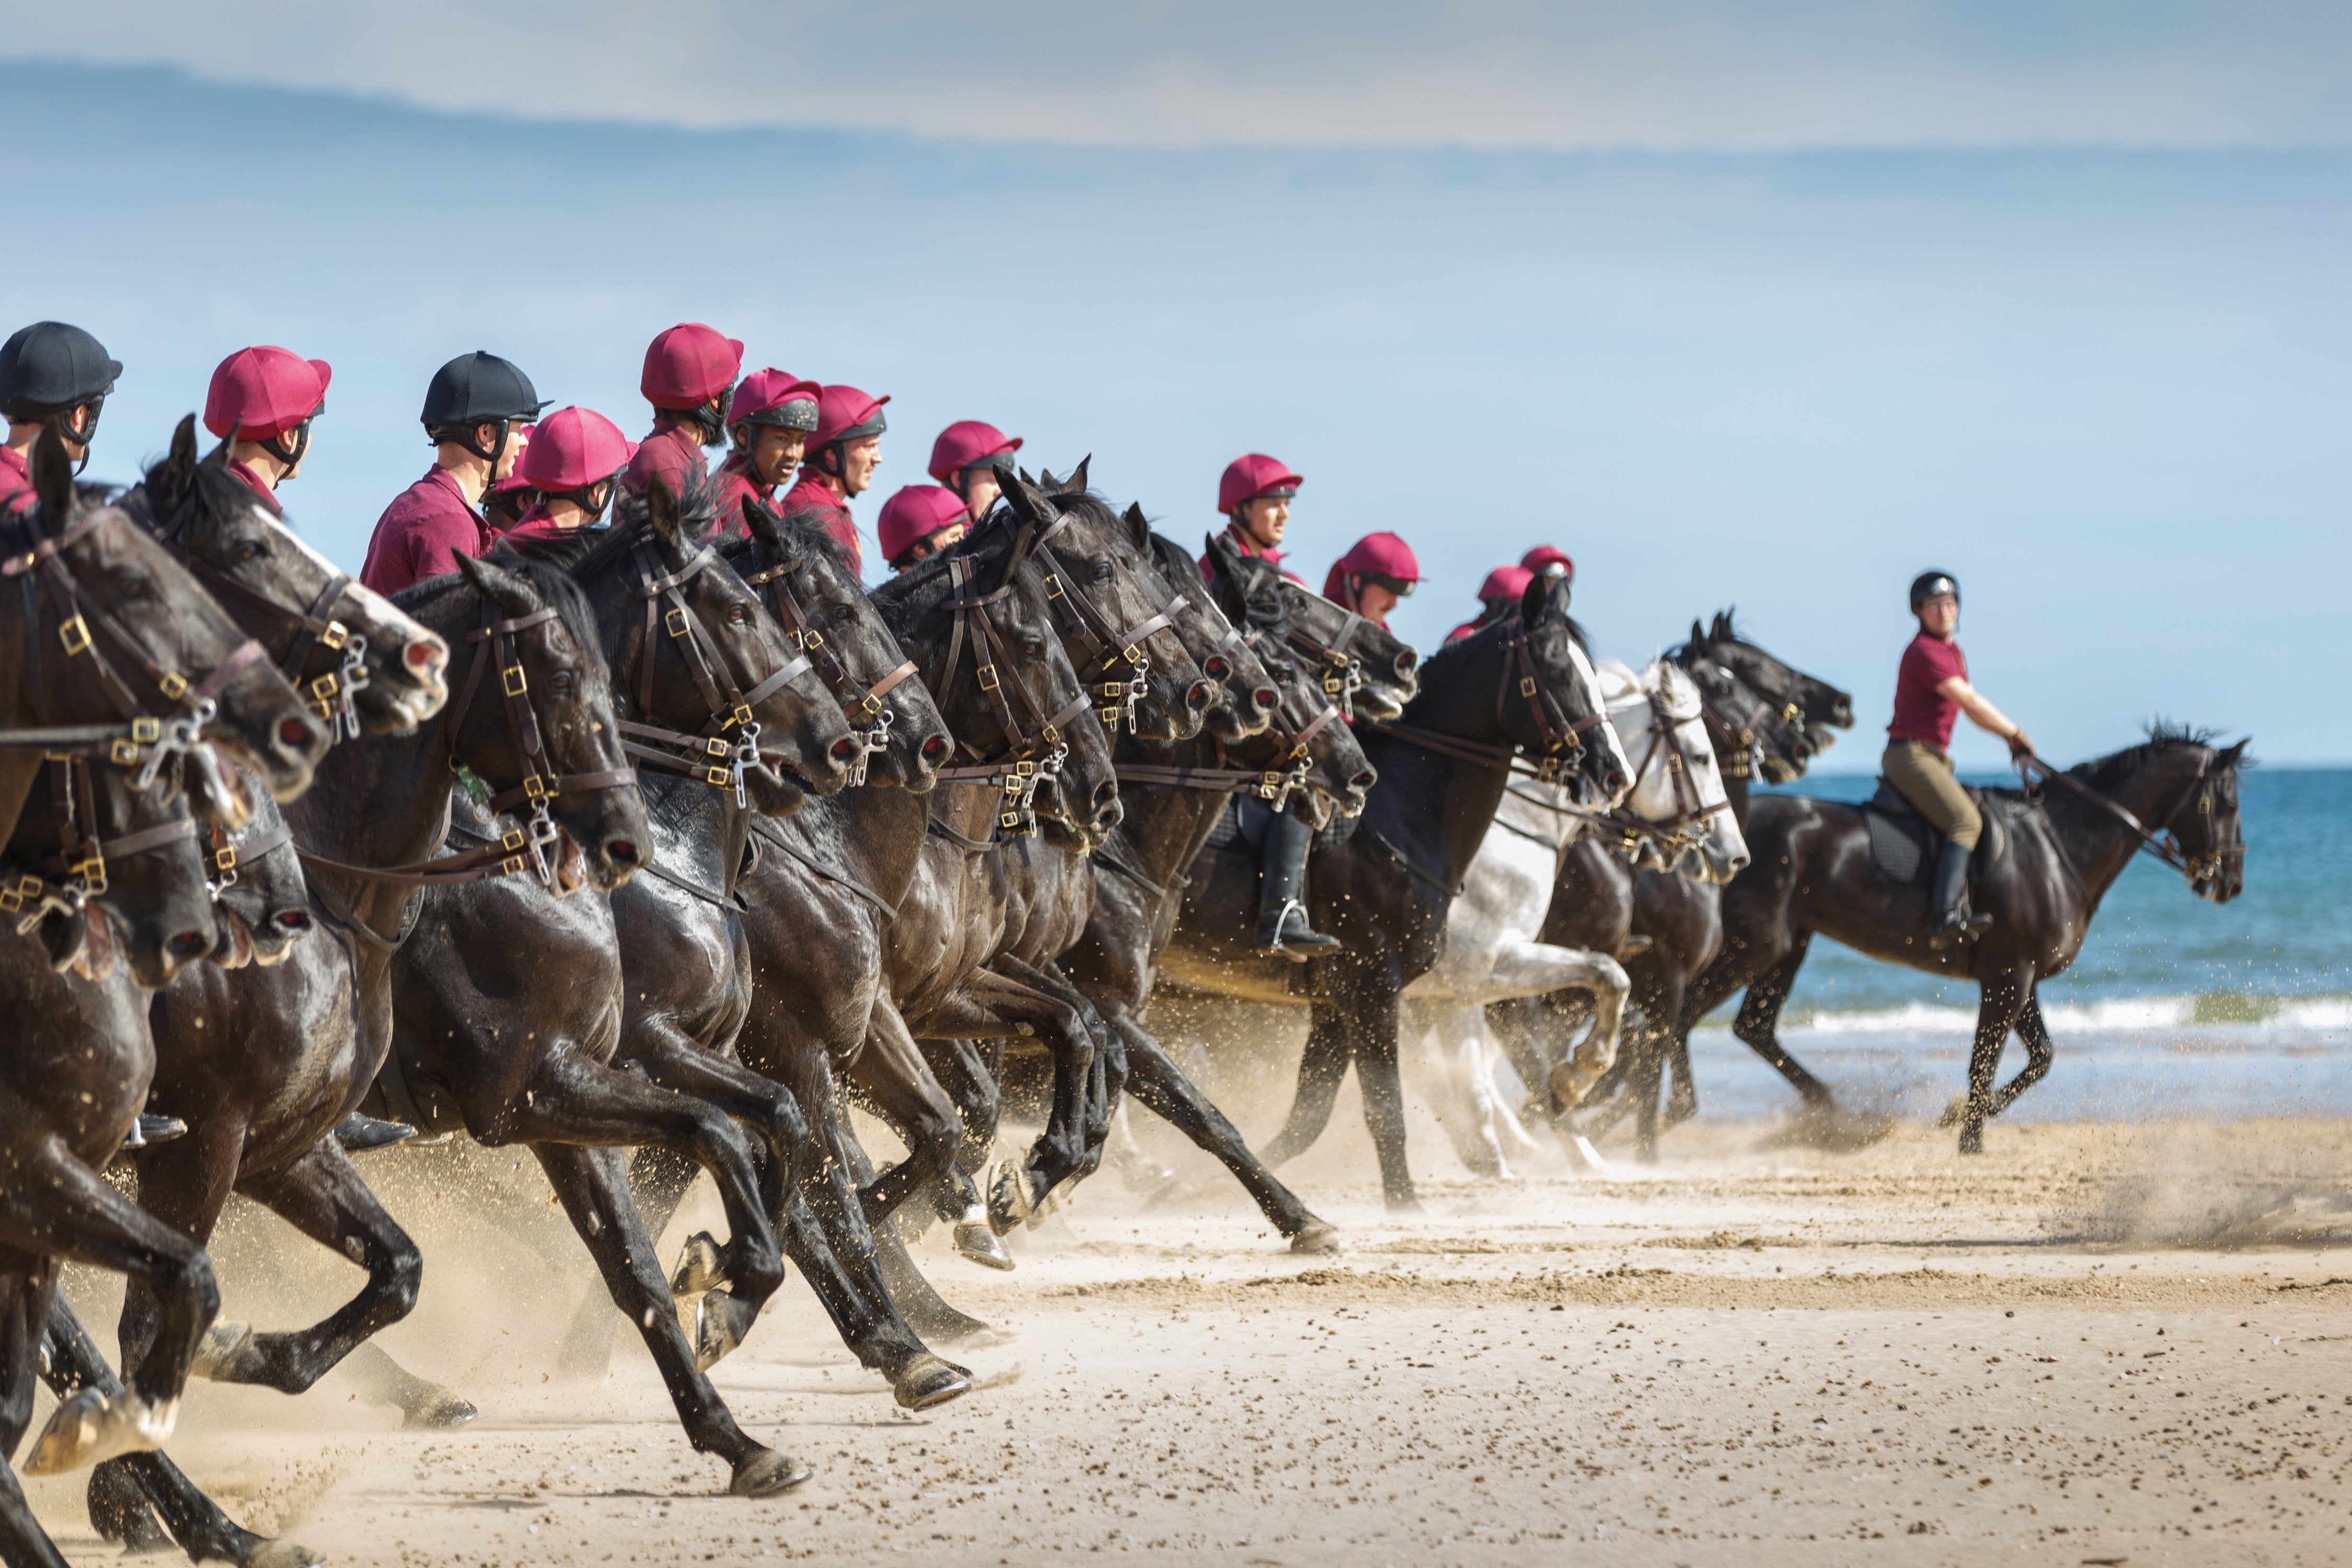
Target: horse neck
<point x="1436" y="803"/>
<point x="380" y="800"/>
<point x="2099" y="846"/>
<point x="701" y="827"/>
<point x="880" y="831"/>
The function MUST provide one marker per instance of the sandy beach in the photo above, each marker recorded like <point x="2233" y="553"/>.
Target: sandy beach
<point x="2095" y="1344"/>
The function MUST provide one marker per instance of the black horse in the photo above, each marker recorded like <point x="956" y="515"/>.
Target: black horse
<point x="2046" y="863"/>
<point x="1522" y="682"/>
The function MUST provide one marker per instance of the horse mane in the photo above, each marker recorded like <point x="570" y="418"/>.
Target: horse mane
<point x="588" y="551"/>
<point x="553" y="582"/>
<point x="803" y="534"/>
<point x="2163" y="735"/>
<point x="215" y="488"/>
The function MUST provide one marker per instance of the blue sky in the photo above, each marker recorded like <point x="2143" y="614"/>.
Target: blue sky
<point x="2058" y="308"/>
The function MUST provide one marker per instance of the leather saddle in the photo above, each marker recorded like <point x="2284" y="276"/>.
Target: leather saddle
<point x="1903" y="846"/>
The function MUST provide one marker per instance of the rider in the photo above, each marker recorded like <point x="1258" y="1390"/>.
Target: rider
<point x="472" y="409"/>
<point x="769" y="422"/>
<point x="918" y="523"/>
<point x="842" y="455"/>
<point x="1498" y="595"/>
<point x="575" y="460"/>
<point x="1550" y="561"/>
<point x="1931" y="690"/>
<point x="967" y="459"/>
<point x="53" y="377"/>
<point x="1377" y="571"/>
<point x="1254" y="495"/>
<point x="504" y="504"/>
<point x="688" y="373"/>
<point x="260" y="404"/>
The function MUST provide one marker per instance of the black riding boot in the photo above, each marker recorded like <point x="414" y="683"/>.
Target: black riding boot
<point x="1953" y="921"/>
<point x="1281" y="881"/>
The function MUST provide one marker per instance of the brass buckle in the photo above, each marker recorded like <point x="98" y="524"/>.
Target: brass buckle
<point x="1010" y="821"/>
<point x="675" y="622"/>
<point x="1527" y="686"/>
<point x="1112" y="688"/>
<point x="173" y="684"/>
<point x="1133" y="653"/>
<point x="715" y="747"/>
<point x="122" y="753"/>
<point x="516" y="680"/>
<point x="988" y="678"/>
<point x="869" y="705"/>
<point x="335" y="636"/>
<point x="325" y="687"/>
<point x="719" y="778"/>
<point x="75" y="635"/>
<point x="1332" y="685"/>
<point x="1108" y="716"/>
<point x="224" y="858"/>
<point x="743" y="715"/>
<point x="512" y="838"/>
<point x="535" y="787"/>
<point x="510" y="866"/>
<point x="1053" y="585"/>
<point x="811" y="639"/>
<point x="92" y="871"/>
<point x="146" y="732"/>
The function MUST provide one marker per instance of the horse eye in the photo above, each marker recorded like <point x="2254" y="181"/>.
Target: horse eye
<point x="1102" y="570"/>
<point x="561" y="680"/>
<point x="248" y="551"/>
<point x="738" y="614"/>
<point x="841" y="614"/>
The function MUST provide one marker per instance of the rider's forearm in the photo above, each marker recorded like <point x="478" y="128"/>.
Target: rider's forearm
<point x="1985" y="716"/>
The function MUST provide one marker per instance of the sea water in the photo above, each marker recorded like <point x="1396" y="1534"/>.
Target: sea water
<point x="2175" y="1006"/>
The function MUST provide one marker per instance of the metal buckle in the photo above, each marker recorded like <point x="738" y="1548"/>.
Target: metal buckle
<point x="92" y="871"/>
<point x="811" y="639"/>
<point x="512" y="838"/>
<point x="1527" y="686"/>
<point x="325" y="687"/>
<point x="76" y="634"/>
<point x="988" y="678"/>
<point x="224" y="858"/>
<point x="173" y="684"/>
<point x="515" y="678"/>
<point x="743" y="715"/>
<point x="122" y="753"/>
<point x="715" y="746"/>
<point x="1024" y="767"/>
<point x="536" y="788"/>
<point x="146" y="732"/>
<point x="510" y="866"/>
<point x="675" y="622"/>
<point x="869" y="705"/>
<point x="1133" y="653"/>
<point x="1053" y="585"/>
<point x="1109" y="716"/>
<point x="336" y="635"/>
<point x="1333" y="685"/>
<point x="718" y="777"/>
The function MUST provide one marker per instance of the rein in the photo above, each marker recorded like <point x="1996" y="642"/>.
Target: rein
<point x="2166" y="848"/>
<point x="1099" y="646"/>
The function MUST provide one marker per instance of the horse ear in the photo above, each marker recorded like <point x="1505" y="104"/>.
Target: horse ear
<point x="1698" y="633"/>
<point x="1138" y="526"/>
<point x="1027" y="499"/>
<point x="2232" y="756"/>
<point x="764" y="525"/>
<point x="180" y="462"/>
<point x="661" y="512"/>
<point x="510" y="590"/>
<point x="53" y="479"/>
<point x="1046" y="481"/>
<point x="1722" y="629"/>
<point x="1533" y="600"/>
<point x="1075" y="485"/>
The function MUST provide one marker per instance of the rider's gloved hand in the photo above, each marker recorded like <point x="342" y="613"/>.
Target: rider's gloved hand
<point x="2019" y="746"/>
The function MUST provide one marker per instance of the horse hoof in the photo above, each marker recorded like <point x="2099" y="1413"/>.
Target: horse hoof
<point x="91" y="1427"/>
<point x="700" y="1266"/>
<point x="929" y="1380"/>
<point x="721" y="1323"/>
<point x="979" y="1242"/>
<point x="1009" y="1200"/>
<point x="437" y="1411"/>
<point x="284" y="1555"/>
<point x="768" y="1474"/>
<point x="1317" y="1237"/>
<point x="217" y="1354"/>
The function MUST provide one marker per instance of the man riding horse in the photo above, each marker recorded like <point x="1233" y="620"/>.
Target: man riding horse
<point x="1931" y="690"/>
<point x="769" y="420"/>
<point x="260" y="404"/>
<point x="844" y="452"/>
<point x="53" y="377"/>
<point x="688" y="375"/>
<point x="474" y="409"/>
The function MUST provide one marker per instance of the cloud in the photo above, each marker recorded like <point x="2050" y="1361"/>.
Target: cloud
<point x="1744" y="75"/>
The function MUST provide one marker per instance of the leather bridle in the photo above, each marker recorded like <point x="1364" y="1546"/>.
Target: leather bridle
<point x="1095" y="648"/>
<point x="729" y="741"/>
<point x="2206" y="867"/>
<point x="1273" y="783"/>
<point x="1033" y="751"/>
<point x="870" y="718"/>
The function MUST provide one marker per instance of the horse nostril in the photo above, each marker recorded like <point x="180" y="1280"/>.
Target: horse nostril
<point x="1365" y="780"/>
<point x="1217" y="669"/>
<point x="1267" y="698"/>
<point x="294" y="920"/>
<point x="189" y="945"/>
<point x="421" y="654"/>
<point x="1105" y="794"/>
<point x="1405" y="661"/>
<point x="843" y="750"/>
<point x="620" y="852"/>
<point x="297" y="734"/>
<point x="1200" y="696"/>
<point x="934" y="748"/>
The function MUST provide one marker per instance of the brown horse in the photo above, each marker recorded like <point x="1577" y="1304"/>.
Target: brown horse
<point x="2040" y="874"/>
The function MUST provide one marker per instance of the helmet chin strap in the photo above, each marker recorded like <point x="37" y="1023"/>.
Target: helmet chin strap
<point x="289" y="454"/>
<point x="60" y="426"/>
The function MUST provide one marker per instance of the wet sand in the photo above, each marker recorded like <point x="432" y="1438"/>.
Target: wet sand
<point x="2094" y="1344"/>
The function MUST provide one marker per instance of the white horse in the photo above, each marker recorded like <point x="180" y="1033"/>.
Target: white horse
<point x="1492" y="953"/>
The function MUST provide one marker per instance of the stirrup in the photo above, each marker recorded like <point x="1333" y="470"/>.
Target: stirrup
<point x="1956" y="925"/>
<point x="1289" y="935"/>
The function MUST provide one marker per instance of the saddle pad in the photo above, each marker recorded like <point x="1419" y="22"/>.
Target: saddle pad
<point x="1900" y="850"/>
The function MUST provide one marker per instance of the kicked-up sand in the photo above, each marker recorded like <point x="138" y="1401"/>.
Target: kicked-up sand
<point x="2094" y="1344"/>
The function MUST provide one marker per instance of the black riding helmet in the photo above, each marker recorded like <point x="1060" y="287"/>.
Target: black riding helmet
<point x="477" y="389"/>
<point x="49" y="369"/>
<point x="1927" y="584"/>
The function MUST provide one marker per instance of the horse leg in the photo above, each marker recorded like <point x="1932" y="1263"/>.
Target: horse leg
<point x="126" y="1494"/>
<point x="1760" y="1013"/>
<point x="890" y="1073"/>
<point x="1682" y="1100"/>
<point x="592" y="1185"/>
<point x="2039" y="1051"/>
<point x="59" y="1208"/>
<point x="2001" y="997"/>
<point x="1374" y="1010"/>
<point x="1467" y="1105"/>
<point x="575" y="1100"/>
<point x="1079" y="1120"/>
<point x="964" y="1073"/>
<point x="902" y="1281"/>
<point x="1661" y="1004"/>
<point x="1159" y="1086"/>
<point x="1320" y="1069"/>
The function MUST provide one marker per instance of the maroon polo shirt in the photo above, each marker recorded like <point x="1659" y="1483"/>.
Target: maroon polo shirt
<point x="673" y="451"/>
<point x="422" y="533"/>
<point x="810" y="493"/>
<point x="1921" y="713"/>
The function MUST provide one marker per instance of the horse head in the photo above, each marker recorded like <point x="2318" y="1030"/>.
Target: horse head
<point x="1111" y="602"/>
<point x="1750" y="734"/>
<point x="1558" y="671"/>
<point x="798" y="567"/>
<point x="1242" y="697"/>
<point x="259" y="893"/>
<point x="1366" y="668"/>
<point x="1800" y="697"/>
<point x="537" y="723"/>
<point x="340" y="643"/>
<point x="1677" y="780"/>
